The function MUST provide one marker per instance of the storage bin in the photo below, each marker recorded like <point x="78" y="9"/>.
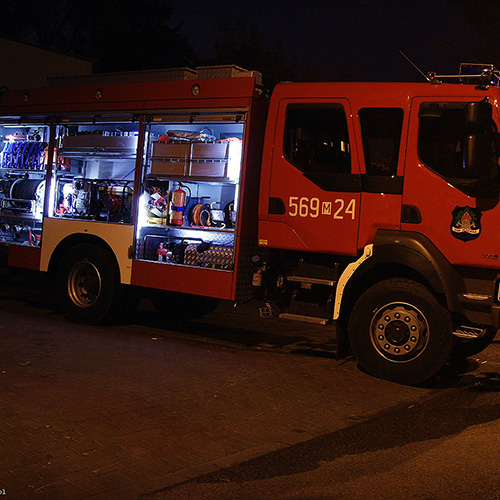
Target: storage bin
<point x="171" y="150"/>
<point x="210" y="151"/>
<point x="208" y="169"/>
<point x="162" y="167"/>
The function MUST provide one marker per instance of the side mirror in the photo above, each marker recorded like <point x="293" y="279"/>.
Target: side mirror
<point x="478" y="154"/>
<point x="478" y="115"/>
<point x="479" y="147"/>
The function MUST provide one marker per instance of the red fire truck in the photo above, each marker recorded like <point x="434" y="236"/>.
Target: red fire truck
<point x="374" y="205"/>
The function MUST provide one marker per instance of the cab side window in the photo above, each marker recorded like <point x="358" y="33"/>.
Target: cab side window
<point x="317" y="139"/>
<point x="442" y="130"/>
<point x="381" y="131"/>
<point x="459" y="142"/>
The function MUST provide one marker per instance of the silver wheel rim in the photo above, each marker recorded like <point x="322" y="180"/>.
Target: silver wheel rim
<point x="399" y="332"/>
<point x="84" y="284"/>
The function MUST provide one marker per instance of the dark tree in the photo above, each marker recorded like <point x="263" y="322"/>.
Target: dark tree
<point x="131" y="35"/>
<point x="243" y="44"/>
<point x="43" y="22"/>
<point x="483" y="18"/>
<point x="118" y="34"/>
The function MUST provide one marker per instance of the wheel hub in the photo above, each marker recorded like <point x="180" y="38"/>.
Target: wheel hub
<point x="84" y="284"/>
<point x="399" y="332"/>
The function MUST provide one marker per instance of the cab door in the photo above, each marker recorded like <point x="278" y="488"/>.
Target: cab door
<point x="314" y="185"/>
<point x="457" y="205"/>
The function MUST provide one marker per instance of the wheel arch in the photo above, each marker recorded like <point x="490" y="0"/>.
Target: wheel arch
<point x="405" y="255"/>
<point x="76" y="239"/>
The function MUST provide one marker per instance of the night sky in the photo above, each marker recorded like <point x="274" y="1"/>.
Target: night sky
<point x="358" y="38"/>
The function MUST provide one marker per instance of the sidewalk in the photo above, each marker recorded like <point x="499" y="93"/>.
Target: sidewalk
<point x="118" y="412"/>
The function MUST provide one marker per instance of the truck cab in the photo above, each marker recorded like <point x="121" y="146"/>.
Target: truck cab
<point x="381" y="200"/>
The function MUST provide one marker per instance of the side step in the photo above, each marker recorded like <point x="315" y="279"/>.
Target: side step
<point x="306" y="319"/>
<point x="469" y="332"/>
<point x="311" y="281"/>
<point x="313" y="294"/>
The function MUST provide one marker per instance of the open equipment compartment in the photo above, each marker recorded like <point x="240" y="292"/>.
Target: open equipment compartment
<point x="95" y="169"/>
<point x="23" y="167"/>
<point x="189" y="204"/>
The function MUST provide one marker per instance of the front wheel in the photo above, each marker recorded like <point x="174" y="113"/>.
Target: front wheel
<point x="88" y="284"/>
<point x="398" y="331"/>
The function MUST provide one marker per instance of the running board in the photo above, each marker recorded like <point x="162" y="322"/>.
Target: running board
<point x="312" y="281"/>
<point x="469" y="332"/>
<point x="306" y="319"/>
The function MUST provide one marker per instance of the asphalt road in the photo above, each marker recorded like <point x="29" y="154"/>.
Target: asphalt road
<point x="441" y="449"/>
<point x="236" y="406"/>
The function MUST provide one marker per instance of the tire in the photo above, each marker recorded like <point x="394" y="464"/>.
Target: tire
<point x="88" y="284"/>
<point x="465" y="348"/>
<point x="399" y="332"/>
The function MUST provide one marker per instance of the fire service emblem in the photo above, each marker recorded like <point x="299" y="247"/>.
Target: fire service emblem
<point x="466" y="223"/>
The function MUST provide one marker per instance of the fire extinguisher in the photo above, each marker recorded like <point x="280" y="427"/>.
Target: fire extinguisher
<point x="178" y="204"/>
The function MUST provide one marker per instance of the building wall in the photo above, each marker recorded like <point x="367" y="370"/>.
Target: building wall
<point x="29" y="66"/>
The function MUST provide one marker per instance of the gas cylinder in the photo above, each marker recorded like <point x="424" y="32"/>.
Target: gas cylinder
<point x="178" y="204"/>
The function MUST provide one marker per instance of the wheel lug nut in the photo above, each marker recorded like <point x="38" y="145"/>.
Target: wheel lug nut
<point x="413" y="339"/>
<point x="380" y="327"/>
<point x="407" y="319"/>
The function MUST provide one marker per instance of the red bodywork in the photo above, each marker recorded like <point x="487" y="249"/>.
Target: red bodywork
<point x="315" y="220"/>
<point x="338" y="232"/>
<point x="231" y="95"/>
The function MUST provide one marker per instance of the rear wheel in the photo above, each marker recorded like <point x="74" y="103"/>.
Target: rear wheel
<point x="88" y="284"/>
<point x="398" y="331"/>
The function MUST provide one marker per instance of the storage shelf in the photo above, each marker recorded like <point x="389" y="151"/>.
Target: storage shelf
<point x="190" y="228"/>
<point x="117" y="155"/>
<point x="24" y="170"/>
<point x="190" y="178"/>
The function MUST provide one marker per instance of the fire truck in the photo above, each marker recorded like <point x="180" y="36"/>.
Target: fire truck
<point x="371" y="205"/>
